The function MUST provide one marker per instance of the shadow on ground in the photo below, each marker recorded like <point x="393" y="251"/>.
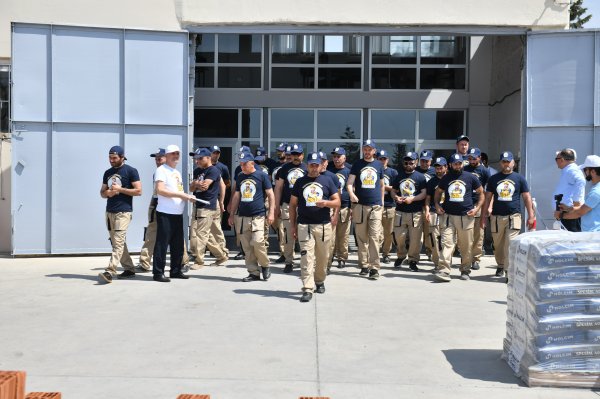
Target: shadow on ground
<point x="270" y="293"/>
<point x="482" y="365"/>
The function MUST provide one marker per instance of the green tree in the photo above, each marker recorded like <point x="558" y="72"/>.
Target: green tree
<point x="352" y="149"/>
<point x="398" y="156"/>
<point x="576" y="15"/>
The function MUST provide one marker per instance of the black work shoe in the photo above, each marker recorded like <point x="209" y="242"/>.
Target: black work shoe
<point x="475" y="266"/>
<point x="413" y="266"/>
<point x="341" y="263"/>
<point x="281" y="259"/>
<point x="161" y="278"/>
<point x="180" y="276"/>
<point x="364" y="271"/>
<point x="251" y="277"/>
<point x="320" y="289"/>
<point x="141" y="269"/>
<point x="374" y="274"/>
<point x="465" y="276"/>
<point x="398" y="262"/>
<point x="499" y="272"/>
<point x="126" y="274"/>
<point x="266" y="272"/>
<point x="386" y="259"/>
<point x="240" y="256"/>
<point x="105" y="278"/>
<point x="306" y="297"/>
<point x="289" y="267"/>
<point x="443" y="277"/>
<point x="328" y="271"/>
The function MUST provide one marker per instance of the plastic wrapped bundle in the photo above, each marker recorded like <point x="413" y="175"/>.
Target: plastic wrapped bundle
<point x="553" y="309"/>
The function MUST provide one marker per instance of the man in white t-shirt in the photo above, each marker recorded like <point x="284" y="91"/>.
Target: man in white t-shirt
<point x="169" y="216"/>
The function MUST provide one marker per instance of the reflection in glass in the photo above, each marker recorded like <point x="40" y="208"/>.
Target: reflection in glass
<point x="340" y="50"/>
<point x="292" y="123"/>
<point x="443" y="78"/>
<point x="293" y="49"/>
<point x="251" y="123"/>
<point x="213" y="122"/>
<point x="240" y="77"/>
<point x="335" y="124"/>
<point x="441" y="125"/>
<point x="393" y="124"/>
<point x="352" y="147"/>
<point x="396" y="151"/>
<point x="205" y="48"/>
<point x="339" y="78"/>
<point x="292" y="78"/>
<point x="205" y="77"/>
<point x="443" y="49"/>
<point x="240" y="48"/>
<point x="393" y="78"/>
<point x="394" y="49"/>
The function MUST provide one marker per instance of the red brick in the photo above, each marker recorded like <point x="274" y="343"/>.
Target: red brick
<point x="8" y="385"/>
<point x="192" y="396"/>
<point x="43" y="395"/>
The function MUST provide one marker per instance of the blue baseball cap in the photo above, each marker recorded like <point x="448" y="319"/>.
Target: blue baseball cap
<point x="507" y="156"/>
<point x="382" y="154"/>
<point x="462" y="137"/>
<point x="474" y="153"/>
<point x="426" y="155"/>
<point x="159" y="153"/>
<point x="116" y="150"/>
<point x="281" y="147"/>
<point x="288" y="149"/>
<point x="314" y="158"/>
<point x="410" y="155"/>
<point x="369" y="143"/>
<point x="338" y="151"/>
<point x="455" y="158"/>
<point x="215" y="148"/>
<point x="440" y="161"/>
<point x="244" y="148"/>
<point x="201" y="152"/>
<point x="260" y="154"/>
<point x="296" y="149"/>
<point x="246" y="156"/>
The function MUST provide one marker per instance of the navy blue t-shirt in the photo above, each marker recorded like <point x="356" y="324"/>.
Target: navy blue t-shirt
<point x="432" y="184"/>
<point x="333" y="177"/>
<point x="212" y="194"/>
<point x="482" y="173"/>
<point x="263" y="168"/>
<point x="224" y="170"/>
<point x="410" y="185"/>
<point x="252" y="192"/>
<point x="271" y="164"/>
<point x="458" y="191"/>
<point x="274" y="172"/>
<point x="389" y="176"/>
<point x="309" y="190"/>
<point x="342" y="176"/>
<point x="122" y="176"/>
<point x="429" y="173"/>
<point x="507" y="190"/>
<point x="367" y="182"/>
<point x="290" y="173"/>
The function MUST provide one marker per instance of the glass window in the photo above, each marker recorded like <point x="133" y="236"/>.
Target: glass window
<point x="240" y="77"/>
<point x="340" y="50"/>
<point x="292" y="123"/>
<point x="353" y="152"/>
<point x="338" y="124"/>
<point x="393" y="78"/>
<point x="4" y="100"/>
<point x="340" y="78"/>
<point x="205" y="48"/>
<point x="293" y="78"/>
<point x="293" y="49"/>
<point x="442" y="78"/>
<point x="214" y="122"/>
<point x="251" y="123"/>
<point x="441" y="125"/>
<point x="443" y="49"/>
<point x="240" y="48"/>
<point x="396" y="151"/>
<point x="205" y="77"/>
<point x="393" y="124"/>
<point x="394" y="49"/>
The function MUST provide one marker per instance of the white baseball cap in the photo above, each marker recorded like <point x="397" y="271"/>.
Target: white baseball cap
<point x="172" y="148"/>
<point x="591" y="161"/>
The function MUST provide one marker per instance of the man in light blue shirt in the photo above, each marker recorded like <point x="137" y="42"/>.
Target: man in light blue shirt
<point x="571" y="186"/>
<point x="590" y="211"/>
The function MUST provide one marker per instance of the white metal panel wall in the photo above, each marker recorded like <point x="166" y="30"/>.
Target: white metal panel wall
<point x="94" y="88"/>
<point x="562" y="106"/>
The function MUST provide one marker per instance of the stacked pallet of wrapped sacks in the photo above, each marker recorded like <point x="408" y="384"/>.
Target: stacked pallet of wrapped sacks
<point x="553" y="309"/>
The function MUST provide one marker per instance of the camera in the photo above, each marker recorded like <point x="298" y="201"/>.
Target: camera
<point x="558" y="198"/>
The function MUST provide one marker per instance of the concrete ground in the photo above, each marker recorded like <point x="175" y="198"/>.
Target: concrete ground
<point x="400" y="336"/>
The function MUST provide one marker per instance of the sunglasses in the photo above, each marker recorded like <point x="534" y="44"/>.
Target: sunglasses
<point x="557" y="158"/>
<point x="408" y="162"/>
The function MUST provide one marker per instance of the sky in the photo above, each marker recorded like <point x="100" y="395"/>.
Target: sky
<point x="593" y="7"/>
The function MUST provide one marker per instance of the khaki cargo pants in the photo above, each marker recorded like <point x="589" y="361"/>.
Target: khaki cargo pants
<point x="117" y="224"/>
<point x="478" y="233"/>
<point x="367" y="230"/>
<point x="315" y="243"/>
<point x="289" y="242"/>
<point x="387" y="231"/>
<point x="461" y="227"/>
<point x="340" y="236"/>
<point x="504" y="229"/>
<point x="432" y="239"/>
<point x="252" y="238"/>
<point x="408" y="225"/>
<point x="204" y="220"/>
<point x="216" y="242"/>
